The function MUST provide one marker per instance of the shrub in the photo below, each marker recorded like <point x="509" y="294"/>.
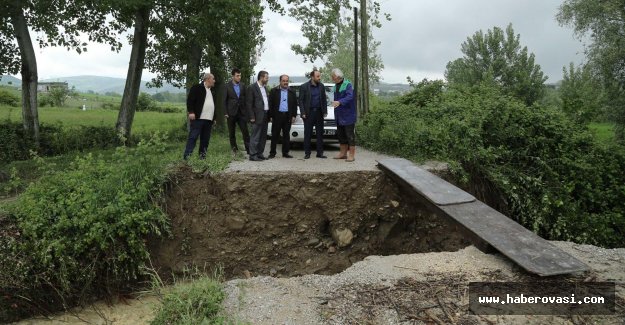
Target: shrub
<point x="145" y="103"/>
<point x="555" y="178"/>
<point x="197" y="302"/>
<point x="7" y="98"/>
<point x="84" y="229"/>
<point x="45" y="100"/>
<point x="16" y="144"/>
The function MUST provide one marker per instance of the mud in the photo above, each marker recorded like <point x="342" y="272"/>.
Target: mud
<point x="290" y="224"/>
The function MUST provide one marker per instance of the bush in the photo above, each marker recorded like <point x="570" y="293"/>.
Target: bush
<point x="145" y="103"/>
<point x="555" y="178"/>
<point x="45" y="100"/>
<point x="84" y="230"/>
<point x="170" y="109"/>
<point x="7" y="98"/>
<point x="197" y="302"/>
<point x="16" y="144"/>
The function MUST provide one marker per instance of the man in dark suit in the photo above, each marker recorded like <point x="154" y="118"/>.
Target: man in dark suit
<point x="257" y="102"/>
<point x="234" y="103"/>
<point x="282" y="113"/>
<point x="313" y="106"/>
<point x="201" y="111"/>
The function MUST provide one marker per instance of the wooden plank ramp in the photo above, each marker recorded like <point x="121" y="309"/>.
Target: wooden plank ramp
<point x="528" y="250"/>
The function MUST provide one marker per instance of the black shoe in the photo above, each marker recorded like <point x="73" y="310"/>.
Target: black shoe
<point x="322" y="156"/>
<point x="271" y="156"/>
<point x="254" y="158"/>
<point x="286" y="155"/>
<point x="307" y="156"/>
<point x="262" y="157"/>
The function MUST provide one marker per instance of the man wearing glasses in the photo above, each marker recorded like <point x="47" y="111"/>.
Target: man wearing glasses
<point x="282" y="113"/>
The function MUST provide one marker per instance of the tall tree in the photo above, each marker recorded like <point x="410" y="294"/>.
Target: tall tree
<point x="342" y="54"/>
<point x="194" y="35"/>
<point x="135" y="15"/>
<point x="324" y="27"/>
<point x="603" y="24"/>
<point x="497" y="57"/>
<point x="581" y="94"/>
<point x="57" y="23"/>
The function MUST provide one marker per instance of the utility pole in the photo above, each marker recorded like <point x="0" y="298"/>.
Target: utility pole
<point x="356" y="67"/>
<point x="364" y="35"/>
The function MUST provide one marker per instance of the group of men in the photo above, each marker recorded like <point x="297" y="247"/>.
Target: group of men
<point x="258" y="105"/>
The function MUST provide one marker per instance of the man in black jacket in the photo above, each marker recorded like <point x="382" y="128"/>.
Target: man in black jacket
<point x="282" y="113"/>
<point x="201" y="110"/>
<point x="257" y="102"/>
<point x="313" y="106"/>
<point x="234" y="104"/>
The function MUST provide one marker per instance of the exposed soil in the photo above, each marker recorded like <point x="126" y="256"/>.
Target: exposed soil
<point x="282" y="238"/>
<point x="289" y="224"/>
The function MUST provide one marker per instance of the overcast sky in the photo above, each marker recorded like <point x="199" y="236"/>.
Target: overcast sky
<point x="421" y="38"/>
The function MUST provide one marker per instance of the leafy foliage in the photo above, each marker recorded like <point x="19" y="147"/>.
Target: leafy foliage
<point x="582" y="97"/>
<point x="196" y="302"/>
<point x="58" y="95"/>
<point x="84" y="230"/>
<point x="342" y="54"/>
<point x="7" y="98"/>
<point x="145" y="102"/>
<point x="15" y="144"/>
<point x="543" y="170"/>
<point x="497" y="57"/>
<point x="603" y="23"/>
<point x="321" y="21"/>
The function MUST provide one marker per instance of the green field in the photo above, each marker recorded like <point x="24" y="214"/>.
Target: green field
<point x="143" y="121"/>
<point x="603" y="131"/>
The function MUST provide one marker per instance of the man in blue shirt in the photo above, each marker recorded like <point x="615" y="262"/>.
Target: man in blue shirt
<point x="282" y="113"/>
<point x="313" y="108"/>
<point x="234" y="104"/>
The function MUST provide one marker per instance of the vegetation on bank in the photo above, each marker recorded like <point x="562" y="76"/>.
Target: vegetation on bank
<point x="544" y="169"/>
<point x="79" y="231"/>
<point x="197" y="301"/>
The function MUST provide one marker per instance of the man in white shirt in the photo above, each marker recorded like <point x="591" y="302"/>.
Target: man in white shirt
<point x="201" y="110"/>
<point x="257" y="103"/>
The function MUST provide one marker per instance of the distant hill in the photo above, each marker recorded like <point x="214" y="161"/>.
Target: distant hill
<point x="103" y="85"/>
<point x="96" y="84"/>
<point x="5" y="80"/>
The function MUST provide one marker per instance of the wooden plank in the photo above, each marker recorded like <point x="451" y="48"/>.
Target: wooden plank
<point x="522" y="246"/>
<point x="482" y="223"/>
<point x="432" y="187"/>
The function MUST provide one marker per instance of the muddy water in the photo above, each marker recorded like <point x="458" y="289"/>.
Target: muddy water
<point x="127" y="312"/>
<point x="289" y="224"/>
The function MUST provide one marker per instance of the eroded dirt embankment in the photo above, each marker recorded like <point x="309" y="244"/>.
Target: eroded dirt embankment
<point x="288" y="224"/>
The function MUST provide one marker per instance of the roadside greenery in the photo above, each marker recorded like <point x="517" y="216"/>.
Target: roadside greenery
<point x="553" y="176"/>
<point x="79" y="231"/>
<point x="65" y="130"/>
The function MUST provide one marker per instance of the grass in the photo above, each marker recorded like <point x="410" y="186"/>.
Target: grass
<point x="27" y="171"/>
<point x="143" y="121"/>
<point x="604" y="131"/>
<point x="194" y="302"/>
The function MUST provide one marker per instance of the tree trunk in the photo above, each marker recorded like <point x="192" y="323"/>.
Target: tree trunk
<point x="135" y="69"/>
<point x="220" y="82"/>
<point x="364" y="35"/>
<point x="193" y="72"/>
<point x="193" y="66"/>
<point x="30" y="116"/>
<point x="356" y="66"/>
